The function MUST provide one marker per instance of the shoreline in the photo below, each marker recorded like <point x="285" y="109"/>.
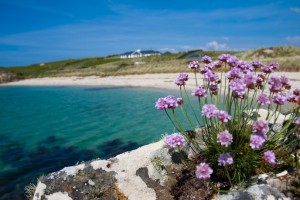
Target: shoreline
<point x="161" y="81"/>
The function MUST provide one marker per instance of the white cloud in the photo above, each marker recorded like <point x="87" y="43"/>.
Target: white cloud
<point x="186" y="48"/>
<point x="215" y="45"/>
<point x="294" y="40"/>
<point x="296" y="9"/>
<point x="167" y="49"/>
<point x="226" y="39"/>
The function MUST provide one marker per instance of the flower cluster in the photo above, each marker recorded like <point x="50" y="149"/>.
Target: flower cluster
<point x="175" y="140"/>
<point x="168" y="102"/>
<point x="269" y="157"/>
<point x="225" y="159"/>
<point x="224" y="138"/>
<point x="235" y="141"/>
<point x="194" y="65"/>
<point x="203" y="171"/>
<point x="199" y="92"/>
<point x="181" y="79"/>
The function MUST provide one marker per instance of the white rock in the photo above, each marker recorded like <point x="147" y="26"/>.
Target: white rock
<point x="126" y="166"/>
<point x="92" y="183"/>
<point x="58" y="196"/>
<point x="282" y="173"/>
<point x="263" y="176"/>
<point x="100" y="164"/>
<point x="39" y="191"/>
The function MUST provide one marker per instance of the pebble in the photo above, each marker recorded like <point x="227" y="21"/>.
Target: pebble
<point x="92" y="183"/>
<point x="282" y="174"/>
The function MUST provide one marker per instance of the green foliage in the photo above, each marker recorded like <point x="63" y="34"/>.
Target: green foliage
<point x="29" y="190"/>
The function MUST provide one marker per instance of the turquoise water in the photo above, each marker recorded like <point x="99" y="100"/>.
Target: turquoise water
<point x="44" y="129"/>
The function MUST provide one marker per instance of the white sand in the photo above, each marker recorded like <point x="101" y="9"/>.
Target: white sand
<point x="146" y="80"/>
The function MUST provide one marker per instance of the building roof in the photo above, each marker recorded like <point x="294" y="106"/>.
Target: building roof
<point x="142" y="52"/>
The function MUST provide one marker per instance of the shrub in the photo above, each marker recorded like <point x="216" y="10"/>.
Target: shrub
<point x="234" y="142"/>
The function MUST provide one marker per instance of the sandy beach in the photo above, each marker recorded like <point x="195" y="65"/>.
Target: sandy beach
<point x="145" y="80"/>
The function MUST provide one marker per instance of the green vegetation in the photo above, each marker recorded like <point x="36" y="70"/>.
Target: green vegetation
<point x="288" y="57"/>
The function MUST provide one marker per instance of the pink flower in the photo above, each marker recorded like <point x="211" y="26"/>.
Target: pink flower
<point x="256" y="64"/>
<point x="210" y="66"/>
<point x="181" y="79"/>
<point x="166" y="102"/>
<point x="261" y="77"/>
<point x="194" y="64"/>
<point x="261" y="127"/>
<point x="203" y="70"/>
<point x="225" y="159"/>
<point x="232" y="61"/>
<point x="175" y="140"/>
<point x="161" y="104"/>
<point x="292" y="98"/>
<point x="242" y="65"/>
<point x="296" y="92"/>
<point x="275" y="84"/>
<point x="210" y="110"/>
<point x="270" y="68"/>
<point x="211" y="76"/>
<point x="280" y="99"/>
<point x="234" y="73"/>
<point x="224" y="138"/>
<point x="250" y="80"/>
<point x="179" y="101"/>
<point x="263" y="99"/>
<point x="266" y="69"/>
<point x="206" y="59"/>
<point x="203" y="171"/>
<point x="199" y="92"/>
<point x="256" y="141"/>
<point x="274" y="65"/>
<point x="297" y="122"/>
<point x="213" y="88"/>
<point x="238" y="88"/>
<point x="224" y="57"/>
<point x="269" y="157"/>
<point x="217" y="64"/>
<point x="285" y="82"/>
<point x="224" y="116"/>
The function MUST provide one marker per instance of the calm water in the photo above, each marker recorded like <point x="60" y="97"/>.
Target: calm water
<point x="44" y="129"/>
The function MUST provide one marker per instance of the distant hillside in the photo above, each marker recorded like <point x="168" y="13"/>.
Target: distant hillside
<point x="272" y="52"/>
<point x="288" y="57"/>
<point x="7" y="76"/>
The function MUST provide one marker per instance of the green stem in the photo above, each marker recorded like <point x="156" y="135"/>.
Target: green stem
<point x="190" y="104"/>
<point x="195" y="78"/>
<point x="172" y="120"/>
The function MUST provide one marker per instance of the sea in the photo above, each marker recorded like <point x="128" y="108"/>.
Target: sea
<point x="44" y="129"/>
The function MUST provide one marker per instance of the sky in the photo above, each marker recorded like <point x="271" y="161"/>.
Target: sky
<point x="36" y="31"/>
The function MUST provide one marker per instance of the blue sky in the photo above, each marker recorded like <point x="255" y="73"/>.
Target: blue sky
<point x="35" y="31"/>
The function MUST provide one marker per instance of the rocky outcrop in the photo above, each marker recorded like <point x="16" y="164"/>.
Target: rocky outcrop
<point x="6" y="76"/>
<point x="155" y="172"/>
<point x="145" y="173"/>
<point x="267" y="186"/>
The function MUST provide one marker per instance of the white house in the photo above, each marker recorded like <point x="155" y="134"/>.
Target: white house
<point x="138" y="53"/>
